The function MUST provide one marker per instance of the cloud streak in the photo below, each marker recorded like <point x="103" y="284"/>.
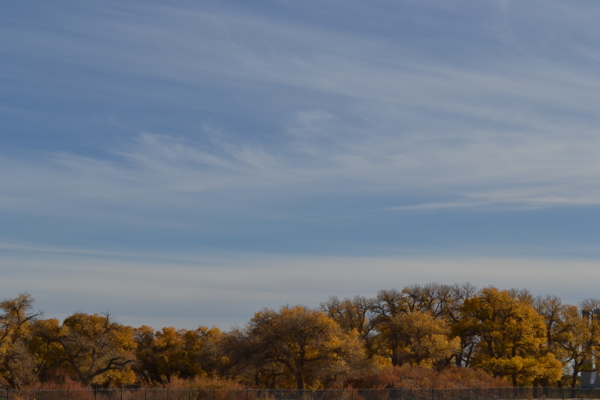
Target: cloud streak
<point x="161" y="170"/>
<point x="191" y="290"/>
<point x="367" y="114"/>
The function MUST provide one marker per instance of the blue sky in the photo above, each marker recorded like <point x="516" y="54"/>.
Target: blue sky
<point x="188" y="163"/>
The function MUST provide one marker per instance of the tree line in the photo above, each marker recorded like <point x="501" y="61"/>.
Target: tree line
<point x="429" y="335"/>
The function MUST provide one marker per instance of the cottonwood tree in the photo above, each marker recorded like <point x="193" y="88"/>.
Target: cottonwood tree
<point x="511" y="338"/>
<point x="156" y="353"/>
<point x="356" y="314"/>
<point x="387" y="304"/>
<point x="47" y="352"/>
<point x="17" y="365"/>
<point x="578" y="334"/>
<point x="247" y="363"/>
<point x="203" y="351"/>
<point x="553" y="311"/>
<point x="456" y="317"/>
<point x="93" y="348"/>
<point x="307" y="345"/>
<point x="170" y="353"/>
<point x="419" y="339"/>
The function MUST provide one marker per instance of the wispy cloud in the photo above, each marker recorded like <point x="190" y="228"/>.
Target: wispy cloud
<point x="173" y="123"/>
<point x="161" y="170"/>
<point x="365" y="113"/>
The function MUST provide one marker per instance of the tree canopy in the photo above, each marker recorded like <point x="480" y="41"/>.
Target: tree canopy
<point x="509" y="336"/>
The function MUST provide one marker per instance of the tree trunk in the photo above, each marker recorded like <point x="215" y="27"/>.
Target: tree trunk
<point x="300" y="380"/>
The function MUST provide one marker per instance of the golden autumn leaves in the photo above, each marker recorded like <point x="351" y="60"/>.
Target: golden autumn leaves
<point x="351" y="342"/>
<point x="511" y="339"/>
<point x="295" y="346"/>
<point x="89" y="348"/>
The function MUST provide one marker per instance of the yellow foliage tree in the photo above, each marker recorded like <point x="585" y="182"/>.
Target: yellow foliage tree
<point x="357" y="315"/>
<point x="578" y="335"/>
<point x="17" y="366"/>
<point x="170" y="353"/>
<point x="303" y="345"/>
<point x="419" y="340"/>
<point x="511" y="338"/>
<point x="94" y="348"/>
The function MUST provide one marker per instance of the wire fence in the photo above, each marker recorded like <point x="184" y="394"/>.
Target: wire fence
<point x="286" y="394"/>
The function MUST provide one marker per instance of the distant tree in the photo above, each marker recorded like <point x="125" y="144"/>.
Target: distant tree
<point x="578" y="334"/>
<point x="307" y="345"/>
<point x="248" y="364"/>
<point x="17" y="365"/>
<point x="355" y="314"/>
<point x="170" y="353"/>
<point x="552" y="310"/>
<point x="456" y="317"/>
<point x="511" y="337"/>
<point x="432" y="298"/>
<point x="202" y="347"/>
<point x="47" y="352"/>
<point x="387" y="304"/>
<point x="418" y="339"/>
<point x="94" y="348"/>
<point x="157" y="353"/>
<point x="555" y="314"/>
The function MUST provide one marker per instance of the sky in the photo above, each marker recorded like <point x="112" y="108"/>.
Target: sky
<point x="188" y="163"/>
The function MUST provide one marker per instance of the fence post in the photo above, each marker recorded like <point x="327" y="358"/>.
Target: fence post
<point x="121" y="392"/>
<point x="68" y="393"/>
<point x="145" y="394"/>
<point x="229" y="394"/>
